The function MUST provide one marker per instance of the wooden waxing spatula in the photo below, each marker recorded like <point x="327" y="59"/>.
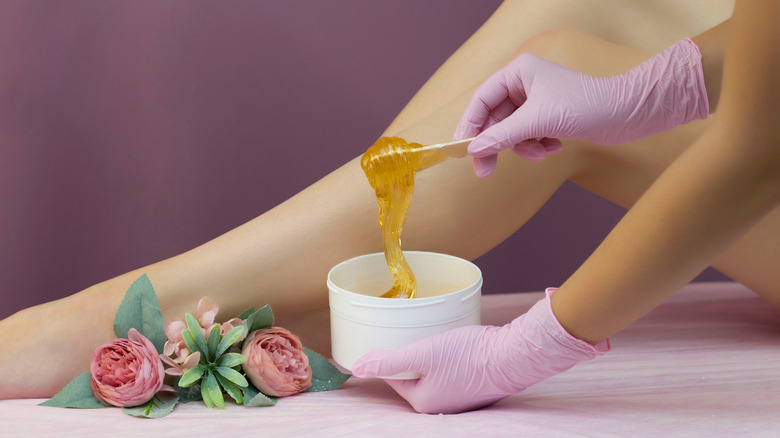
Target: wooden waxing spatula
<point x="453" y="149"/>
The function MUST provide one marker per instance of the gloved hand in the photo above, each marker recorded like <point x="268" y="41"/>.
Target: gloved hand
<point x="532" y="102"/>
<point x="476" y="366"/>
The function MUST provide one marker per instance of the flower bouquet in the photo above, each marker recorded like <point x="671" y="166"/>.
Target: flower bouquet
<point x="151" y="367"/>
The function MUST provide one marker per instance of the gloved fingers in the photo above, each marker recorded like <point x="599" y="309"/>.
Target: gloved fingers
<point x="502" y="111"/>
<point x="518" y="127"/>
<point x="423" y="400"/>
<point x="536" y="150"/>
<point x="551" y="145"/>
<point x="496" y="115"/>
<point x="404" y="388"/>
<point x="487" y="97"/>
<point x="473" y="118"/>
<point x="484" y="166"/>
<point x="386" y="363"/>
<point x="530" y="149"/>
<point x="429" y="400"/>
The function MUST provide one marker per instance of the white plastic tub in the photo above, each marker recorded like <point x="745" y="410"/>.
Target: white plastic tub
<point x="449" y="290"/>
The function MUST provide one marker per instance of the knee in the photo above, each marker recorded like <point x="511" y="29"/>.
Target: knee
<point x="582" y="51"/>
<point x="557" y="45"/>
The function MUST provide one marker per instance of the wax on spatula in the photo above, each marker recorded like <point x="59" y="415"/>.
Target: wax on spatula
<point x="390" y="166"/>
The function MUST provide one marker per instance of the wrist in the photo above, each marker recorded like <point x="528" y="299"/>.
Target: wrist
<point x="539" y="336"/>
<point x="676" y="80"/>
<point x="698" y="68"/>
<point x="664" y="91"/>
<point x="712" y="46"/>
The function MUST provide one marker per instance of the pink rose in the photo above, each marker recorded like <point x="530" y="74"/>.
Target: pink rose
<point x="126" y="372"/>
<point x="275" y="362"/>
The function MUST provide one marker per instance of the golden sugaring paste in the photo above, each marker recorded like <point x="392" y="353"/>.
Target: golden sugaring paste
<point x="390" y="166"/>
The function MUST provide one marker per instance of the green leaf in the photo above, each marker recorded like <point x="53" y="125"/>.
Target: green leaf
<point x="140" y="310"/>
<point x="230" y="338"/>
<point x="191" y="344"/>
<point x="232" y="389"/>
<point x="246" y="314"/>
<point x="325" y="376"/>
<point x="196" y="333"/>
<point x="76" y="394"/>
<point x="230" y="360"/>
<point x="215" y="392"/>
<point x="204" y="392"/>
<point x="255" y="398"/>
<point x="214" y="340"/>
<point x="232" y="375"/>
<point x="260" y="319"/>
<point x="159" y="406"/>
<point x="192" y="375"/>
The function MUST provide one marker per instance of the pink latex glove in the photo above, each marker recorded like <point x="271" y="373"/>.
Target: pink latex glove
<point x="473" y="367"/>
<point x="532" y="102"/>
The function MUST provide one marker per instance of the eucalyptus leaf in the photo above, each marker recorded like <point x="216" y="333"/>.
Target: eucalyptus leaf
<point x="192" y="375"/>
<point x="232" y="375"/>
<point x="215" y="392"/>
<point x="246" y="314"/>
<point x="140" y="310"/>
<point x="159" y="406"/>
<point x="230" y="360"/>
<point x="231" y="388"/>
<point x="260" y="319"/>
<point x="76" y="394"/>
<point x="325" y="375"/>
<point x="254" y="398"/>
<point x="197" y="335"/>
<point x="213" y="342"/>
<point x="230" y="338"/>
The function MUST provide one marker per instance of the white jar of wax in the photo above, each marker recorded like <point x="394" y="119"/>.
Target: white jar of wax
<point x="449" y="292"/>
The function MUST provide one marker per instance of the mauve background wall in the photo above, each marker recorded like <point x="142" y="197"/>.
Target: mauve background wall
<point x="133" y="131"/>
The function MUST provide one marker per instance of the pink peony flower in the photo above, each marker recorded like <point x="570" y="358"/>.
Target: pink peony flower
<point x="126" y="372"/>
<point x="276" y="363"/>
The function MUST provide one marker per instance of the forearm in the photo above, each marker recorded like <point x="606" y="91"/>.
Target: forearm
<point x="711" y="195"/>
<point x="706" y="199"/>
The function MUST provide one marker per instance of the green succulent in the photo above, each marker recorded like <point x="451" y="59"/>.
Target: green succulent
<point x="217" y="370"/>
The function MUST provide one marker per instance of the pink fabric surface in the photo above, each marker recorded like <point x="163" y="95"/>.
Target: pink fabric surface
<point x="705" y="363"/>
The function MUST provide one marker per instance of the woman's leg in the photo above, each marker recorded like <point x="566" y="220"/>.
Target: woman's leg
<point x="281" y="257"/>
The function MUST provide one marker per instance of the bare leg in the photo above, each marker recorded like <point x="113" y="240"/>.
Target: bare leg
<point x="282" y="257"/>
